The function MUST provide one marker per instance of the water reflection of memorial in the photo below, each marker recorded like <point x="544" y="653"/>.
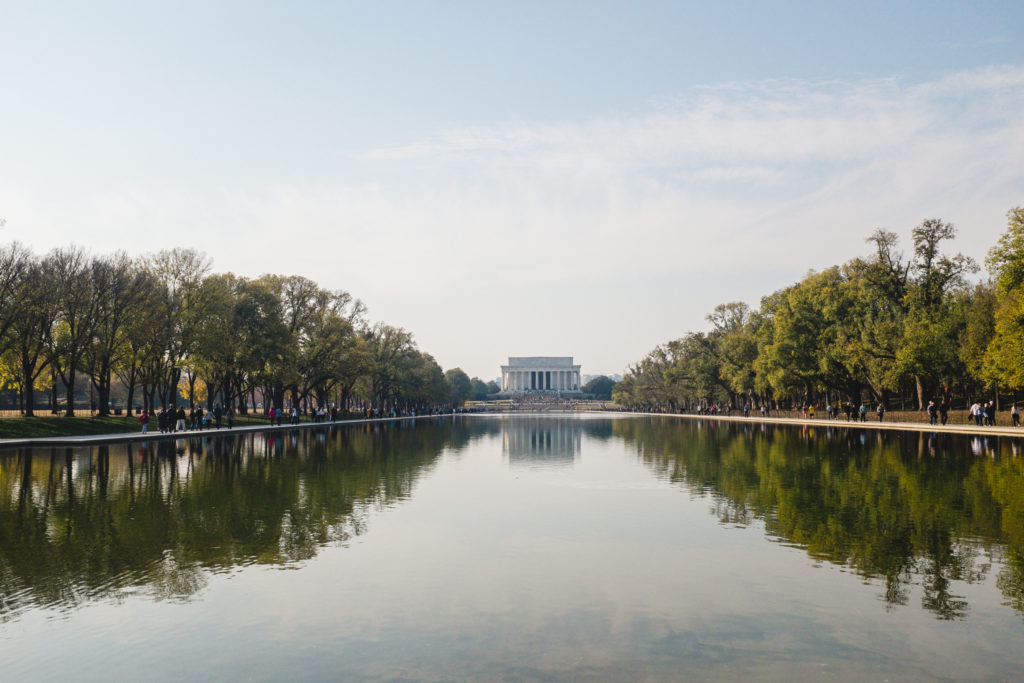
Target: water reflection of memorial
<point x="543" y="442"/>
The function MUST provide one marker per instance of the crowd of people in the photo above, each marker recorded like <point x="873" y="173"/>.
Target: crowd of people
<point x="542" y="401"/>
<point x="196" y="418"/>
<point x="178" y="419"/>
<point x="980" y="413"/>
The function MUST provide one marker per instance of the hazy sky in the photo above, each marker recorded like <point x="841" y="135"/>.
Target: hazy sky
<point x="512" y="178"/>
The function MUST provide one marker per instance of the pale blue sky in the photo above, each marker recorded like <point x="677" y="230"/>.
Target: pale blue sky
<point x="513" y="179"/>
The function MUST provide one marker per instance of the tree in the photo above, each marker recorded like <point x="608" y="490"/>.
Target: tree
<point x="480" y="389"/>
<point x="15" y="262"/>
<point x="30" y="331"/>
<point x="461" y="387"/>
<point x="977" y="308"/>
<point x="119" y="288"/>
<point x="181" y="273"/>
<point x="1006" y="259"/>
<point x="422" y="383"/>
<point x="1003" y="359"/>
<point x="928" y="349"/>
<point x="141" y="335"/>
<point x="389" y="346"/>
<point x="600" y="387"/>
<point x="69" y="272"/>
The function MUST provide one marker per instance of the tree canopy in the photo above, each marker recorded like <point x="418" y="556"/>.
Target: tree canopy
<point x="880" y="327"/>
<point x="600" y="388"/>
<point x="169" y="328"/>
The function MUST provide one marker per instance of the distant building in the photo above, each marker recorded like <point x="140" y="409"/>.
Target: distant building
<point x="554" y="374"/>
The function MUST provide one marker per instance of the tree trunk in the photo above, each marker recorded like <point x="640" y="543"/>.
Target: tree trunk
<point x="28" y="385"/>
<point x="129" y="409"/>
<point x="172" y="389"/>
<point x="69" y="385"/>
<point x="103" y="389"/>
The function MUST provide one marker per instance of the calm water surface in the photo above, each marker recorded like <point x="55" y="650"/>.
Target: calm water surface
<point x="524" y="548"/>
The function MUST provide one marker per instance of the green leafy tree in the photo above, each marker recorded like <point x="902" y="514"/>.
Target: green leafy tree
<point x="479" y="390"/>
<point x="600" y="387"/>
<point x="461" y="386"/>
<point x="1006" y="259"/>
<point x="390" y="346"/>
<point x="1003" y="360"/>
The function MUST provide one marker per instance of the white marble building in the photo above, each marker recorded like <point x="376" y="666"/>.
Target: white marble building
<point x="540" y="373"/>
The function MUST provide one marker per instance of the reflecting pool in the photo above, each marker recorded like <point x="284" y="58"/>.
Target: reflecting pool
<point x="527" y="547"/>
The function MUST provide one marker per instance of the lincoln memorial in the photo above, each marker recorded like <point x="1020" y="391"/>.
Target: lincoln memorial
<point x="540" y="373"/>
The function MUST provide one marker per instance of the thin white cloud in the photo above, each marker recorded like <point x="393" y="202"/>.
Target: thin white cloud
<point x="725" y="192"/>
<point x="781" y="121"/>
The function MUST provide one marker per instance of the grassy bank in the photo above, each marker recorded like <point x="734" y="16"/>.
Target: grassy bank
<point x="51" y="425"/>
<point x="40" y="427"/>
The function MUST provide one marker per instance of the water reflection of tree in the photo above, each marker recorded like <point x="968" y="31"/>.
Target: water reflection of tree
<point x="82" y="525"/>
<point x="902" y="508"/>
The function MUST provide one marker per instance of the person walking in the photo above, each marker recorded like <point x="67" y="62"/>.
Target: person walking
<point x="144" y="419"/>
<point x="933" y="413"/>
<point x="863" y="412"/>
<point x="880" y="410"/>
<point x="944" y="412"/>
<point x="218" y="413"/>
<point x="229" y="414"/>
<point x="1015" y="414"/>
<point x="179" y="426"/>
